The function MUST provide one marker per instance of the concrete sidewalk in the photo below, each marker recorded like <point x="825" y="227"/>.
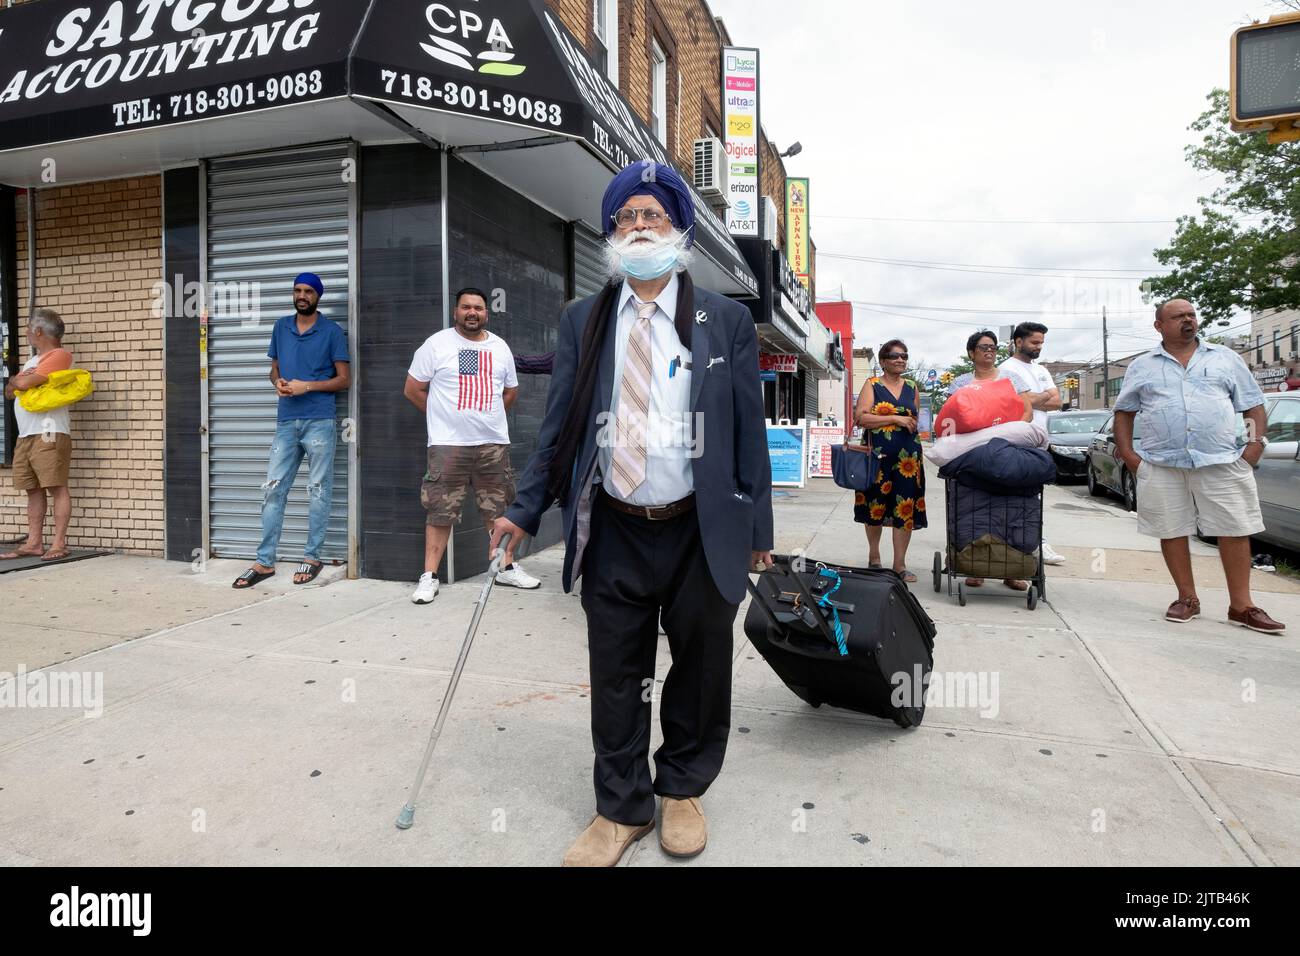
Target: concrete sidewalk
<point x="283" y="725"/>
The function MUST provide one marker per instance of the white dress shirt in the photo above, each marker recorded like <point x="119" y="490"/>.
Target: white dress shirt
<point x="668" y="431"/>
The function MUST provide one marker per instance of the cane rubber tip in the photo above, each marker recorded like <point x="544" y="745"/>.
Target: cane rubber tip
<point x="406" y="818"/>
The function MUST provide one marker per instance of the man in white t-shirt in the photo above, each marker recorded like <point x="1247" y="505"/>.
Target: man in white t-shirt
<point x="1035" y="382"/>
<point x="464" y="380"/>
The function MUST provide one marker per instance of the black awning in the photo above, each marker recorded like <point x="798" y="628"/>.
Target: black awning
<point x="513" y="62"/>
<point x="74" y="69"/>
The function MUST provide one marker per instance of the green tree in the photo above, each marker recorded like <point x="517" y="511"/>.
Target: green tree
<point x="1243" y="250"/>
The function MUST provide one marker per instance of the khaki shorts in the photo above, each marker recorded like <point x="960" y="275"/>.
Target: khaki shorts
<point x="42" y="463"/>
<point x="453" y="469"/>
<point x="1219" y="499"/>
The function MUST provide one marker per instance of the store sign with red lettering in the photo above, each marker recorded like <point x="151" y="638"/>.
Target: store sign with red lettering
<point x="769" y="362"/>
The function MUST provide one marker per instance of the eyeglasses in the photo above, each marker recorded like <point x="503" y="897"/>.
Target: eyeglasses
<point x="627" y="217"/>
<point x="894" y="355"/>
<point x="986" y="348"/>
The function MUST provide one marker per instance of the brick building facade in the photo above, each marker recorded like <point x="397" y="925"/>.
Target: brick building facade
<point x="99" y="259"/>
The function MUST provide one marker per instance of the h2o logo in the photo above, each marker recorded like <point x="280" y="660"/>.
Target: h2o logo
<point x="469" y="27"/>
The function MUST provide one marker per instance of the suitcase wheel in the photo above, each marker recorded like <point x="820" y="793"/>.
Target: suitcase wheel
<point x="1032" y="598"/>
<point x="961" y="593"/>
<point x="909" y="716"/>
<point x="938" y="571"/>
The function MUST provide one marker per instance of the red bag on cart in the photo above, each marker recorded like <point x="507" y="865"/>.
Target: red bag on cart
<point x="982" y="405"/>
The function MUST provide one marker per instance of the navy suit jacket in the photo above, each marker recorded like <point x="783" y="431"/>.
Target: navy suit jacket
<point x="732" y="470"/>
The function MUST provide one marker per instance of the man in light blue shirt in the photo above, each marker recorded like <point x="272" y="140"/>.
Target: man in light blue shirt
<point x="1190" y="471"/>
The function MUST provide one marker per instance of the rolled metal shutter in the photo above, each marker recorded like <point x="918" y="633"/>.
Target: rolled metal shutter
<point x="588" y="262"/>
<point x="271" y="216"/>
<point x="810" y="396"/>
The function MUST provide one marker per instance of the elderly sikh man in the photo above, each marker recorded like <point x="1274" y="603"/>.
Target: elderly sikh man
<point x="654" y="443"/>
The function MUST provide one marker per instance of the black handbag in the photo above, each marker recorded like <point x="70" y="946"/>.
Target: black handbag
<point x="853" y="466"/>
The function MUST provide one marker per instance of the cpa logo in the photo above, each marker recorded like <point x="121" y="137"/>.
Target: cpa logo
<point x="470" y="28"/>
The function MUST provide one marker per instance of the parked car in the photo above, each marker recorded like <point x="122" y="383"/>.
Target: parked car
<point x="1105" y="471"/>
<point x="1070" y="434"/>
<point x="1278" y="475"/>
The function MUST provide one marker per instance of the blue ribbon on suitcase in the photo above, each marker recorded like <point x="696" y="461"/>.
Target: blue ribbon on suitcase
<point x="853" y="466"/>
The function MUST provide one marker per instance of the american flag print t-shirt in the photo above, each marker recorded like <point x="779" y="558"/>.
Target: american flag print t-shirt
<point x="466" y="379"/>
<point x="475" y="380"/>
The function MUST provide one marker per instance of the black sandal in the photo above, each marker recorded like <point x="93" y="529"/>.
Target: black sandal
<point x="311" y="570"/>
<point x="252" y="577"/>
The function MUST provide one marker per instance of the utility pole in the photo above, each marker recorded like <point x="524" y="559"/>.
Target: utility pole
<point x="1105" y="362"/>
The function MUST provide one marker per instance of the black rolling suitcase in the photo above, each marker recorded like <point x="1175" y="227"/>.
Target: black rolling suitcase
<point x="879" y="659"/>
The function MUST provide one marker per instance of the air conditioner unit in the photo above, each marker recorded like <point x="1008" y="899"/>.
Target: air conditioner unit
<point x="771" y="225"/>
<point x="711" y="168"/>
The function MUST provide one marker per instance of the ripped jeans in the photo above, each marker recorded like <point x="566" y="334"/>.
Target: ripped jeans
<point x="313" y="437"/>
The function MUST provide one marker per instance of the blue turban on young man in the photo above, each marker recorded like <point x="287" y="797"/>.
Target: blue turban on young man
<point x="646" y="178"/>
<point x="313" y="280"/>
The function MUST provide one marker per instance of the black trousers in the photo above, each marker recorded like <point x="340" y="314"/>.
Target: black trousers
<point x="636" y="570"/>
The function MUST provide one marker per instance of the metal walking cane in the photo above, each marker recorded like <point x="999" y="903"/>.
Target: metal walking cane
<point x="407" y="816"/>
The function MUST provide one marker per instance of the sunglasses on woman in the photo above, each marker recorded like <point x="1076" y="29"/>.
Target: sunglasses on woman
<point x="894" y="355"/>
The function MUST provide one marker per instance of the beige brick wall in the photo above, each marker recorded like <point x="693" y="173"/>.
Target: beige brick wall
<point x="99" y="253"/>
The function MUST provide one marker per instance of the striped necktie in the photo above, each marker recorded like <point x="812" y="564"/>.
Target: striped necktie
<point x="628" y="467"/>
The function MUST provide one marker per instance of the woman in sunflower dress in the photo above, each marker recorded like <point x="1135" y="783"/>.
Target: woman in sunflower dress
<point x="887" y="411"/>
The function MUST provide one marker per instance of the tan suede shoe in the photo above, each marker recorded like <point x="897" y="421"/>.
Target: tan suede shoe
<point x="683" y="831"/>
<point x="604" y="842"/>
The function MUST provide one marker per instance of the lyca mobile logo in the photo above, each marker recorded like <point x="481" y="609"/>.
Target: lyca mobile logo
<point x="469" y="27"/>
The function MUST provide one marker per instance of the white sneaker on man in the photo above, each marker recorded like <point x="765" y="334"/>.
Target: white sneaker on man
<point x="1050" y="556"/>
<point x="426" y="589"/>
<point x="516" y="577"/>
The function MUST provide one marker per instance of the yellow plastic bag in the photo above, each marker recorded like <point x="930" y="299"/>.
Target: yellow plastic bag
<point x="63" y="388"/>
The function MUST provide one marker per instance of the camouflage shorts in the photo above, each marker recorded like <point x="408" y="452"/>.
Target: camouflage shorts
<point x="453" y="469"/>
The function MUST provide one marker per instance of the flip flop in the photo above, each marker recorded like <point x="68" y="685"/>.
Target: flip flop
<point x="55" y="554"/>
<point x="875" y="567"/>
<point x="311" y="570"/>
<point x="251" y="577"/>
<point x="15" y="555"/>
<point x="907" y="576"/>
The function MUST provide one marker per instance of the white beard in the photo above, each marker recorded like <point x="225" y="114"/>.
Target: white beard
<point x="617" y="249"/>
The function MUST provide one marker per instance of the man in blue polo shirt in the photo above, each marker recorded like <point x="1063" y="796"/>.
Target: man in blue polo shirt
<point x="309" y="364"/>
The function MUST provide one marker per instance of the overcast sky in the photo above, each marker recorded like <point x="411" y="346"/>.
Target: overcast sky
<point x="1013" y="110"/>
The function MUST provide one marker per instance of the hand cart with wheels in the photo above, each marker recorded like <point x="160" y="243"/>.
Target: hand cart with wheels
<point x="992" y="536"/>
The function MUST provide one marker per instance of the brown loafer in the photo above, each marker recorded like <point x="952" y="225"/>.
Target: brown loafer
<point x="683" y="831"/>
<point x="1183" y="610"/>
<point x="604" y="842"/>
<point x="1016" y="584"/>
<point x="1256" y="620"/>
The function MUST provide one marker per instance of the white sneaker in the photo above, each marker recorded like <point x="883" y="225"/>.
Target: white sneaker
<point x="516" y="577"/>
<point x="426" y="589"/>
<point x="1050" y="556"/>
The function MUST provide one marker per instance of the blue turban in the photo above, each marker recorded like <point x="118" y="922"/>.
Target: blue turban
<point x="313" y="280"/>
<point x="645" y="178"/>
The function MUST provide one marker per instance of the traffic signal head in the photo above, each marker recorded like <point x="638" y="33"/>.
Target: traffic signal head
<point x="1265" y="80"/>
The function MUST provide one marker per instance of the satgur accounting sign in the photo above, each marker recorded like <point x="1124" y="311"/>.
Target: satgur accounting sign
<point x="1266" y="74"/>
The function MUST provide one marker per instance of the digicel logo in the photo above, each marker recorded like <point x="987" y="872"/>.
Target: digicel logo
<point x="736" y="150"/>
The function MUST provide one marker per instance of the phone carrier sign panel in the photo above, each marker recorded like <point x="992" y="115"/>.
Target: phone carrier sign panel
<point x="740" y="117"/>
<point x="70" y="70"/>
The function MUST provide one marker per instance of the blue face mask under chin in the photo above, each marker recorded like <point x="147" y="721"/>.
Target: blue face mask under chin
<point x="651" y="266"/>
